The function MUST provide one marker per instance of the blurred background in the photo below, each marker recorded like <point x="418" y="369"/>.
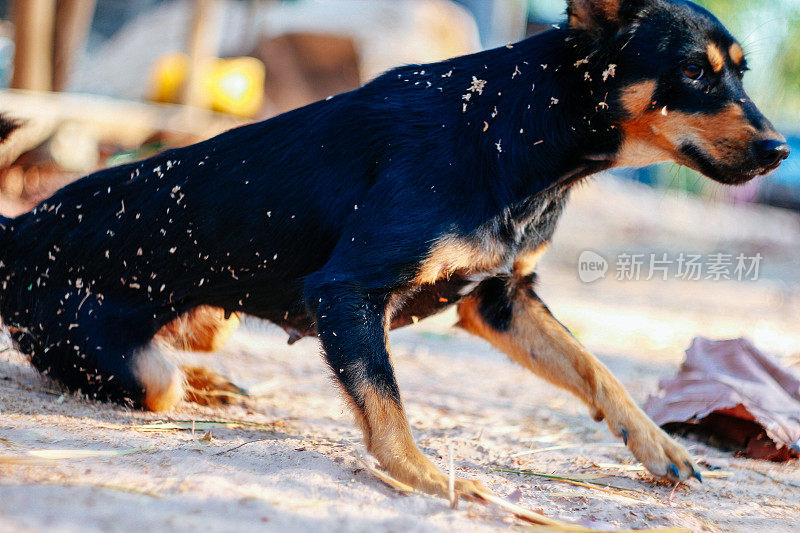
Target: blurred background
<point x="110" y="81"/>
<point x="103" y="82"/>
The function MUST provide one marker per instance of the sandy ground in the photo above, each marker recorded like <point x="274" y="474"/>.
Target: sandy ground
<point x="296" y="469"/>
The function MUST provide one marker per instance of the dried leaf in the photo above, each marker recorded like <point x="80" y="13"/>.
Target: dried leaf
<point x="734" y="395"/>
<point x="82" y="454"/>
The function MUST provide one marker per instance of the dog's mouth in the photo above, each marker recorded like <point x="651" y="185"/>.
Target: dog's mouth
<point x="696" y="159"/>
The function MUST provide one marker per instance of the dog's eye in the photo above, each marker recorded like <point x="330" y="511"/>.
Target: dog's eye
<point x="693" y="72"/>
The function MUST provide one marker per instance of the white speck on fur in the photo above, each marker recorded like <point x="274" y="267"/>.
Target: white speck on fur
<point x="477" y="85"/>
<point x="611" y="71"/>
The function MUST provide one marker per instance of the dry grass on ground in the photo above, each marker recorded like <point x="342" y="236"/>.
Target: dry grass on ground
<point x="292" y="466"/>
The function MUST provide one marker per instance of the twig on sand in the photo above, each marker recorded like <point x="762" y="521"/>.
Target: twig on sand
<point x="242" y="444"/>
<point x="672" y="493"/>
<point x="488" y="498"/>
<point x="603" y="487"/>
<point x="201" y="425"/>
<point x="43" y="455"/>
<point x="565" y="447"/>
<point x="452" y="481"/>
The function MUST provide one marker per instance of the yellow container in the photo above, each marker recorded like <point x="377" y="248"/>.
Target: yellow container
<point x="234" y="86"/>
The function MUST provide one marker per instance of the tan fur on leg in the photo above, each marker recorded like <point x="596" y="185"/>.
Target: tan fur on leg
<point x="203" y="329"/>
<point x="162" y="380"/>
<point x="206" y="387"/>
<point x="538" y="342"/>
<point x="388" y="437"/>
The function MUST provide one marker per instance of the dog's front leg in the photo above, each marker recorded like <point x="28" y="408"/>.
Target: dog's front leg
<point x="507" y="313"/>
<point x="353" y="330"/>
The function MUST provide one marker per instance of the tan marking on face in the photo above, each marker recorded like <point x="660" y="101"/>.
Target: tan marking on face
<point x="455" y="254"/>
<point x="638" y="98"/>
<point x="526" y="262"/>
<point x="715" y="57"/>
<point x="723" y="136"/>
<point x="737" y="53"/>
<point x="730" y="124"/>
<point x="639" y="148"/>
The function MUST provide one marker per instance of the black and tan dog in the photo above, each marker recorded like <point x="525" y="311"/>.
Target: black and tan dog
<point x="432" y="186"/>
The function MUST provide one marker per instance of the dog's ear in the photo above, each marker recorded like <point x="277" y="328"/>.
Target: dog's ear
<point x="594" y="15"/>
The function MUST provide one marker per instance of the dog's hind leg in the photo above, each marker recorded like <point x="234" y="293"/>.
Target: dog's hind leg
<point x="129" y="373"/>
<point x="145" y="376"/>
<point x="164" y="383"/>
<point x="206" y="387"/>
<point x="506" y="312"/>
<point x="203" y="329"/>
<point x="99" y="346"/>
<point x="106" y="349"/>
<point x="161" y="382"/>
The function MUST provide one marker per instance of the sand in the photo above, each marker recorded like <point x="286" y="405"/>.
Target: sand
<point x="297" y="469"/>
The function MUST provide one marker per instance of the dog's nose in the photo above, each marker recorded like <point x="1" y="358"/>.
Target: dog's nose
<point x="771" y="152"/>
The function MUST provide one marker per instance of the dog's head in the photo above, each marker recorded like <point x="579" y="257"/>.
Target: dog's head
<point x="675" y="79"/>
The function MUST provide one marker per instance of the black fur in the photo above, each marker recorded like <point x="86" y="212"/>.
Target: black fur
<point x="496" y="305"/>
<point x="317" y="218"/>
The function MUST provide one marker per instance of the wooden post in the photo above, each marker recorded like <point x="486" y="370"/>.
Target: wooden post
<point x="33" y="58"/>
<point x="73" y="22"/>
<point x="202" y="48"/>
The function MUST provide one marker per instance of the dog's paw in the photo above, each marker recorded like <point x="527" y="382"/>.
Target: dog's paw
<point x="659" y="453"/>
<point x="423" y="476"/>
<point x="206" y="387"/>
<point x="472" y="490"/>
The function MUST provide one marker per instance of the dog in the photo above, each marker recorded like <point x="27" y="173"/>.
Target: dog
<point x="432" y="186"/>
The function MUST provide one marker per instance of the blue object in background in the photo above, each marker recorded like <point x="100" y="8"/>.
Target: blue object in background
<point x="482" y="11"/>
<point x="6" y="62"/>
<point x="647" y="175"/>
<point x="547" y="11"/>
